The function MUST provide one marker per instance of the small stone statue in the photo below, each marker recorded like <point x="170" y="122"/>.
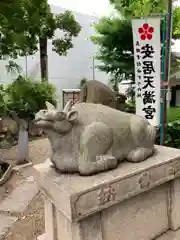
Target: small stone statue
<point x="23" y="140"/>
<point x="90" y="138"/>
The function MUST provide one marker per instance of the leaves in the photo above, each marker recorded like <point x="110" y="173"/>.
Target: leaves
<point x="116" y="48"/>
<point x="13" y="68"/>
<point x="172" y="134"/>
<point x="176" y="23"/>
<point x="139" y="8"/>
<point x="26" y="96"/>
<point x="114" y="52"/>
<point x="67" y="23"/>
<point x="24" y="22"/>
<point x="114" y="36"/>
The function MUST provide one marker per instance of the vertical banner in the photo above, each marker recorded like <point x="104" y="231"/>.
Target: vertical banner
<point x="147" y="60"/>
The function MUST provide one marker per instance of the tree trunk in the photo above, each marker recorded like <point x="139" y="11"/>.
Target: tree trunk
<point x="43" y="59"/>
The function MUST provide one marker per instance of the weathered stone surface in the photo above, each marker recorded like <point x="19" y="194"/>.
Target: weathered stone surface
<point x="6" y="223"/>
<point x="91" y="138"/>
<point x="25" y="165"/>
<point x="170" y="235"/>
<point x="88" y="229"/>
<point x="134" y="201"/>
<point x="91" y="228"/>
<point x="42" y="237"/>
<point x="79" y="200"/>
<point x="9" y="131"/>
<point x="49" y="219"/>
<point x="19" y="199"/>
<point x="10" y="125"/>
<point x="23" y="146"/>
<point x="97" y="92"/>
<point x="137" y="217"/>
<point x="34" y="131"/>
<point x="175" y="204"/>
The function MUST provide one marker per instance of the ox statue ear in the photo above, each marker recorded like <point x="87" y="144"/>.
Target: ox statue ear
<point x="50" y="106"/>
<point x="72" y="116"/>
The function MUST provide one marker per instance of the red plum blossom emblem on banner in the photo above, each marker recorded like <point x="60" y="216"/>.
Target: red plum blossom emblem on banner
<point x="146" y="31"/>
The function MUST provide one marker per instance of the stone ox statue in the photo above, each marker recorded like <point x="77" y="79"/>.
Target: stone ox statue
<point x="97" y="92"/>
<point x="90" y="138"/>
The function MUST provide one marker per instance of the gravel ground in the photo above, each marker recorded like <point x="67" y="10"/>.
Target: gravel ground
<point x="31" y="224"/>
<point x="38" y="151"/>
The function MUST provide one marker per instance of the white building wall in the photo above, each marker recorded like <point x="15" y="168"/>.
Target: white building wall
<point x="65" y="72"/>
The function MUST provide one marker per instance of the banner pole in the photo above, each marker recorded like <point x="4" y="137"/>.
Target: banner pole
<point x="162" y="81"/>
<point x="167" y="66"/>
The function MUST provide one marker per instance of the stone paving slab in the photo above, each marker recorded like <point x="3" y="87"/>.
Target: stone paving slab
<point x="170" y="235"/>
<point x="17" y="202"/>
<point x="6" y="223"/>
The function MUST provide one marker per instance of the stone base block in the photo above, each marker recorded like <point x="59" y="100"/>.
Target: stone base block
<point x="135" y="201"/>
<point x="42" y="237"/>
<point x="170" y="235"/>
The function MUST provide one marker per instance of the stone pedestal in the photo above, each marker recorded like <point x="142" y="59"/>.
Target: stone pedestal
<point x="135" y="202"/>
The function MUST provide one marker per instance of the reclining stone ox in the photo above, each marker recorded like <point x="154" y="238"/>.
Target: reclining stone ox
<point x="97" y="92"/>
<point x="90" y="138"/>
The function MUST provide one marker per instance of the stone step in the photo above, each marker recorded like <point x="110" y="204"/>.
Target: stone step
<point x="170" y="235"/>
<point x="6" y="223"/>
<point x="16" y="203"/>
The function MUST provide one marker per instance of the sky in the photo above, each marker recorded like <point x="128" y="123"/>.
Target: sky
<point x="90" y="7"/>
<point x="96" y="8"/>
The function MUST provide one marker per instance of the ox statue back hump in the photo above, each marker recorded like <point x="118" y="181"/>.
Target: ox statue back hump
<point x="90" y="138"/>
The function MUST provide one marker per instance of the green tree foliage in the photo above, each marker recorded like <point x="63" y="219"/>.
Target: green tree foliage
<point x="116" y="48"/>
<point x="13" y="68"/>
<point x="26" y="25"/>
<point x="26" y="96"/>
<point x="115" y="40"/>
<point x="176" y="23"/>
<point x="139" y="8"/>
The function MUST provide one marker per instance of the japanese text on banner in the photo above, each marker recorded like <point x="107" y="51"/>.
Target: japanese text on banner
<point x="146" y="40"/>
